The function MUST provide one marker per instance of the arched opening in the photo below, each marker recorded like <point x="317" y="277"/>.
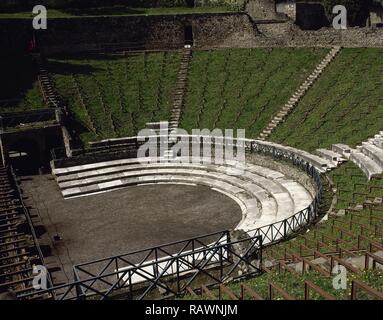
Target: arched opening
<point x="25" y="157"/>
<point x="188" y="32"/>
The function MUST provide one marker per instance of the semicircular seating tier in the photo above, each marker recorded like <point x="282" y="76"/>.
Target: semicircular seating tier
<point x="265" y="196"/>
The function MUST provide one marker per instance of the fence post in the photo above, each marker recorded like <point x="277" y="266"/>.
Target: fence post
<point x="79" y="291"/>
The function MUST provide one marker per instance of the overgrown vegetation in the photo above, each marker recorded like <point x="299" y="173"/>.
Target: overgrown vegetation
<point x="352" y="186"/>
<point x="114" y="96"/>
<point x="243" y="88"/>
<point x="294" y="285"/>
<point x="345" y="105"/>
<point x="352" y="233"/>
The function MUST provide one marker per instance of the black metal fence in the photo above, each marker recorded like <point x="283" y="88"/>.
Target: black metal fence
<point x="169" y="269"/>
<point x="283" y="229"/>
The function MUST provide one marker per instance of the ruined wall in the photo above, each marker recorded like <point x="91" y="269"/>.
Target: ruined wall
<point x="93" y="33"/>
<point x="288" y="8"/>
<point x="67" y="35"/>
<point x="288" y="34"/>
<point x="262" y="9"/>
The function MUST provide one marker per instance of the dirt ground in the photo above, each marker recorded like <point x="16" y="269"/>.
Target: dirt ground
<point x="124" y="220"/>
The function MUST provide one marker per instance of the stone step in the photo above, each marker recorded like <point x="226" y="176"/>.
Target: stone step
<point x="373" y="152"/>
<point x="287" y="196"/>
<point x="366" y="164"/>
<point x="378" y="142"/>
<point x="342" y="149"/>
<point x="330" y="155"/>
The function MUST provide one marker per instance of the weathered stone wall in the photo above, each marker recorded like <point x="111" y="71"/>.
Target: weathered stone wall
<point x="164" y="32"/>
<point x="93" y="33"/>
<point x="262" y="9"/>
<point x="288" y="8"/>
<point x="288" y="34"/>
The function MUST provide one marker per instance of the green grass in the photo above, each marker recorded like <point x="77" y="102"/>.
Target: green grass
<point x="366" y="223"/>
<point x="345" y="105"/>
<point x="117" y="11"/>
<point x="114" y="96"/>
<point x="243" y="88"/>
<point x="293" y="284"/>
<point x="19" y="87"/>
<point x="352" y="186"/>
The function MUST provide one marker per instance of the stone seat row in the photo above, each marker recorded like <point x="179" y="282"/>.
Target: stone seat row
<point x="264" y="195"/>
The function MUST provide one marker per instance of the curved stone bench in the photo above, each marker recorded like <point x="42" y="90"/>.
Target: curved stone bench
<point x="366" y="164"/>
<point x="280" y="189"/>
<point x="373" y="152"/>
<point x="264" y="195"/>
<point x="257" y="174"/>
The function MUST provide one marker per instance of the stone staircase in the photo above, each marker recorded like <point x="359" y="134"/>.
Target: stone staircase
<point x="179" y="96"/>
<point x="50" y="96"/>
<point x="299" y="94"/>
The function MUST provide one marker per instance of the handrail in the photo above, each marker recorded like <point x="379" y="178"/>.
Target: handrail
<point x="375" y="259"/>
<point x="347" y="265"/>
<point x="191" y="292"/>
<point x="356" y="284"/>
<point x="226" y="290"/>
<point x="205" y="289"/>
<point x="373" y="245"/>
<point x="341" y="250"/>
<point x="246" y="289"/>
<point x="324" y="294"/>
<point x="273" y="287"/>
<point x="282" y="265"/>
<point x="312" y="266"/>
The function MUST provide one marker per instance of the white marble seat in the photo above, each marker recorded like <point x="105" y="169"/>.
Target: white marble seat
<point x="264" y="195"/>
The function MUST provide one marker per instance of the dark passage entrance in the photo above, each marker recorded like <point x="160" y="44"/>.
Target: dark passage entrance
<point x="189" y="35"/>
<point x="24" y="157"/>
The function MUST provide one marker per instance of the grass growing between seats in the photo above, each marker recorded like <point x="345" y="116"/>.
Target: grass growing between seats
<point x="293" y="284"/>
<point x="345" y="105"/>
<point x="352" y="186"/>
<point x="243" y="88"/>
<point x="114" y="96"/>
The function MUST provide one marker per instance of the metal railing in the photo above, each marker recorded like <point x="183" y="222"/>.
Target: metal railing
<point x="138" y="274"/>
<point x="358" y="285"/>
